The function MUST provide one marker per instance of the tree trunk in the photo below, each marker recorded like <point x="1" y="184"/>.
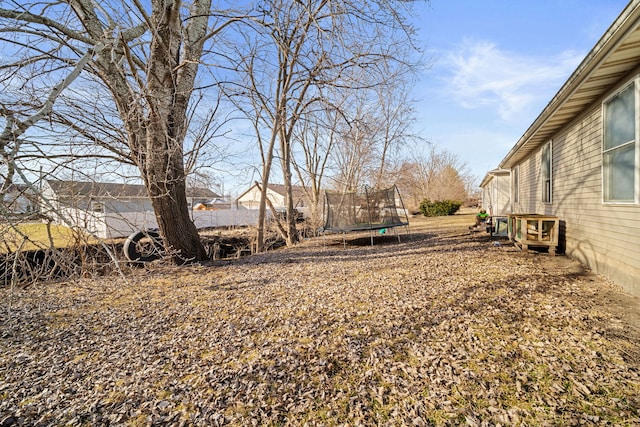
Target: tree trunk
<point x="168" y="197"/>
<point x="262" y="207"/>
<point x="169" y="88"/>
<point x="291" y="230"/>
<point x="262" y="214"/>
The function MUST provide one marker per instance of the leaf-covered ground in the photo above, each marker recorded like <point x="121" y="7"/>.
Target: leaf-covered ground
<point x="445" y="328"/>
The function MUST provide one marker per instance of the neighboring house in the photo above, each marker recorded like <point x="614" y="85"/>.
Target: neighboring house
<point x="250" y="199"/>
<point x="580" y="159"/>
<point x="110" y="210"/>
<point x="496" y="192"/>
<point x="19" y="200"/>
<point x="109" y="197"/>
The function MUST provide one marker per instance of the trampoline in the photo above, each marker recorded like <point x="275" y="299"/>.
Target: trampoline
<point x="373" y="209"/>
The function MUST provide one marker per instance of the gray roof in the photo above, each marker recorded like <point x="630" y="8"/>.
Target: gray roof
<point x="115" y="190"/>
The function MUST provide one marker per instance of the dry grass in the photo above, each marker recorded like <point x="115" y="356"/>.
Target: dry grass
<point x="39" y="236"/>
<point x="445" y="328"/>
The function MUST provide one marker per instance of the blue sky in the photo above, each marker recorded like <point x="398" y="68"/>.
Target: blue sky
<point x="495" y="64"/>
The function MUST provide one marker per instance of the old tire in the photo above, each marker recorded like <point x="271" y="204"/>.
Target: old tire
<point x="143" y="246"/>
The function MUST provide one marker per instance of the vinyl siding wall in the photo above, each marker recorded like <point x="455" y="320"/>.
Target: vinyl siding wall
<point x="496" y="195"/>
<point x="502" y="195"/>
<point x="604" y="237"/>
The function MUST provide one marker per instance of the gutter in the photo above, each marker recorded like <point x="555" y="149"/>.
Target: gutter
<point x="607" y="43"/>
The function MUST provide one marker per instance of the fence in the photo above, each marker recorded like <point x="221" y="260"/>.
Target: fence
<point x="114" y="225"/>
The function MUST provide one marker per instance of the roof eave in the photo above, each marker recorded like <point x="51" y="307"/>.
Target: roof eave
<point x="492" y="174"/>
<point x="536" y="134"/>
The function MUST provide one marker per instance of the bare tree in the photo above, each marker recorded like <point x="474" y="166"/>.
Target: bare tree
<point x="11" y="138"/>
<point x="377" y="125"/>
<point x="435" y="175"/>
<point x="394" y="117"/>
<point x="143" y="61"/>
<point x="354" y="156"/>
<point x="146" y="58"/>
<point x="315" y="140"/>
<point x="298" y="49"/>
<point x="283" y="63"/>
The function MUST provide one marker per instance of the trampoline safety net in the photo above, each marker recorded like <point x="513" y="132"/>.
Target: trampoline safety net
<point x="371" y="210"/>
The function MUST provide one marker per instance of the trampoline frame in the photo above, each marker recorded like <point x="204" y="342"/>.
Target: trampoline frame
<point x="370" y="225"/>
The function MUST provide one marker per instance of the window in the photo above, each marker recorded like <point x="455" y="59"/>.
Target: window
<point x="619" y="147"/>
<point x="97" y="207"/>
<point x="546" y="173"/>
<point x="516" y="184"/>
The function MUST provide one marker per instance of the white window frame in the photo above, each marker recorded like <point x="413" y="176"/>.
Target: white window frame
<point x="549" y="179"/>
<point x="516" y="184"/>
<point x="636" y="142"/>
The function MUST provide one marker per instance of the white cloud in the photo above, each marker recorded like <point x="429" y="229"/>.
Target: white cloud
<point x="480" y="75"/>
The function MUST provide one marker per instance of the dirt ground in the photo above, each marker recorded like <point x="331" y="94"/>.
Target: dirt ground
<point x="605" y="293"/>
<point x="456" y="227"/>
<point x="430" y="326"/>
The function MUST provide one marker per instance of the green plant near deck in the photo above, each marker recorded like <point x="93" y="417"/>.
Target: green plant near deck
<point x="439" y="207"/>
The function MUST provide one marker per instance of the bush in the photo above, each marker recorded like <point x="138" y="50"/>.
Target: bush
<point x="439" y="207"/>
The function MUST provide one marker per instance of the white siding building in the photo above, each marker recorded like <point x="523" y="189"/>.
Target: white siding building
<point x="276" y="193"/>
<point x="580" y="159"/>
<point x="113" y="210"/>
<point x="496" y="192"/>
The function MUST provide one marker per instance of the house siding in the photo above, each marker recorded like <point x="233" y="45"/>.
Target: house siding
<point x="502" y="195"/>
<point x="496" y="194"/>
<point x="604" y="237"/>
<point x="251" y="199"/>
<point x="107" y="210"/>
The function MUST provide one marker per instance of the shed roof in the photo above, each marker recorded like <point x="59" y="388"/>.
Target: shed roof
<point x="115" y="190"/>
<point x="297" y="190"/>
<point x="616" y="54"/>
